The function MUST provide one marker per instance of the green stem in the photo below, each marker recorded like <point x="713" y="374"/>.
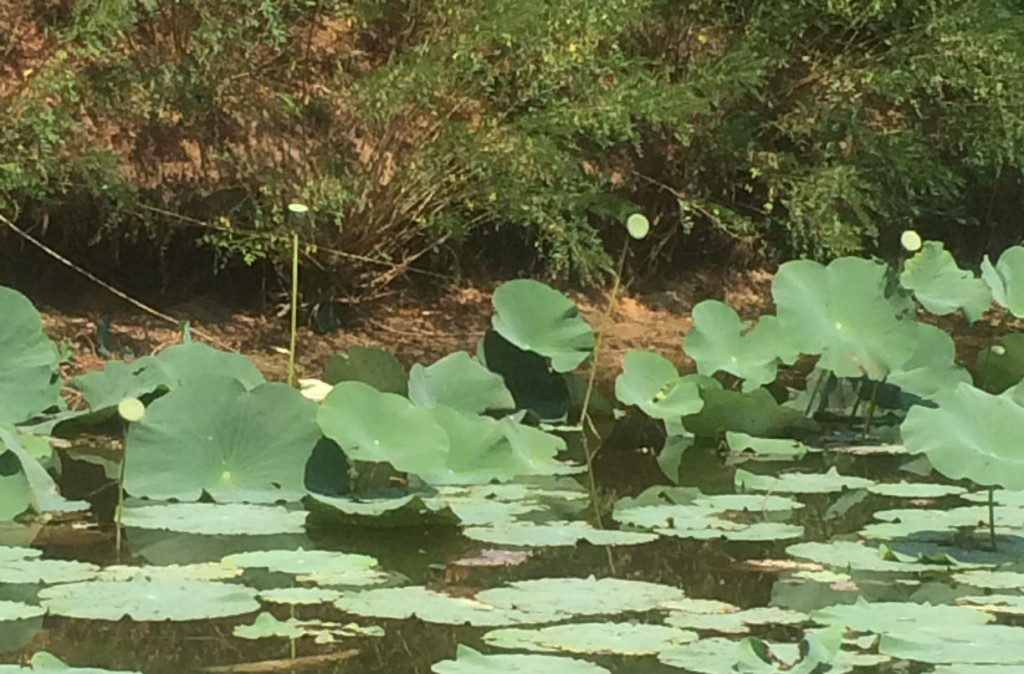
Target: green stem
<point x="992" y="518"/>
<point x="869" y="413"/>
<point x="120" y="498"/>
<point x="295" y="309"/>
<point x="814" y="392"/>
<point x="585" y="412"/>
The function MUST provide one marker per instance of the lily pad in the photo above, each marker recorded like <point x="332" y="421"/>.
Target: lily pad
<point x="580" y="596"/>
<point x="148" y="600"/>
<point x="966" y="643"/>
<point x="737" y="622"/>
<point x="29" y="382"/>
<point x="469" y="661"/>
<point x="765" y="447"/>
<point x="630" y="639"/>
<point x="316" y="566"/>
<point x="45" y="571"/>
<point x="399" y="603"/>
<point x="45" y="662"/>
<point x="915" y="490"/>
<point x="843" y="555"/>
<point x="883" y="617"/>
<point x="299" y="596"/>
<point x="528" y="534"/>
<point x="212" y="435"/>
<point x="16" y="610"/>
<point x="538" y="318"/>
<point x="216" y="519"/>
<point x="800" y="483"/>
<point x="385" y="513"/>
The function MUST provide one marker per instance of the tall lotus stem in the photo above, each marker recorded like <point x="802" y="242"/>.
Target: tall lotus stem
<point x="295" y="309"/>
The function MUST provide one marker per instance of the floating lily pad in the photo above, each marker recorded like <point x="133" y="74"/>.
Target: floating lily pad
<point x="991" y="580"/>
<point x="631" y="639"/>
<point x="45" y="662"/>
<point x="738" y="622"/>
<point x="758" y="531"/>
<point x="800" y="483"/>
<point x="538" y="318"/>
<point x="948" y="643"/>
<point x="554" y="534"/>
<point x="915" y="490"/>
<point x="849" y="555"/>
<point x="996" y="604"/>
<point x="299" y="595"/>
<point x="884" y="617"/>
<point x="765" y="447"/>
<point x="200" y="571"/>
<point x="216" y="519"/>
<point x="213" y="435"/>
<point x="399" y="603"/>
<point x="323" y="567"/>
<point x="753" y="503"/>
<point x="45" y="571"/>
<point x="410" y="510"/>
<point x="580" y="596"/>
<point x="469" y="661"/>
<point x="15" y="610"/>
<point x="719" y="656"/>
<point x="147" y="600"/>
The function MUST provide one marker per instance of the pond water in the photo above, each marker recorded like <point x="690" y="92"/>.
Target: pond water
<point x="702" y="563"/>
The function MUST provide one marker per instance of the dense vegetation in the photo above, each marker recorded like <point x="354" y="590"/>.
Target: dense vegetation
<point x="421" y="131"/>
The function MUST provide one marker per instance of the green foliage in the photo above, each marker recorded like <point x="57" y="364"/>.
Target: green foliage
<point x="817" y="128"/>
<point x="29" y="381"/>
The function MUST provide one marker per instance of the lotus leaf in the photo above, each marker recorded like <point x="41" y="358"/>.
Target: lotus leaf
<point x="213" y="435"/>
<point x="469" y="661"/>
<point x="200" y="571"/>
<point x="143" y="599"/>
<point x="216" y="519"/>
<point x="941" y="286"/>
<point x="382" y="513"/>
<point x="991" y="580"/>
<point x="45" y="571"/>
<point x="171" y="368"/>
<point x="537" y="318"/>
<point x="966" y="643"/>
<point x="322" y="567"/>
<point x="718" y="341"/>
<point x="765" y="447"/>
<point x="553" y="534"/>
<point x="580" y="596"/>
<point x="756" y="413"/>
<point x="720" y="656"/>
<point x="533" y="385"/>
<point x="299" y="595"/>
<point x="1001" y="366"/>
<point x="370" y="365"/>
<point x="374" y="426"/>
<point x="44" y="496"/>
<point x="915" y="490"/>
<point x="433" y="607"/>
<point x="1006" y="279"/>
<point x="932" y="367"/>
<point x="609" y="638"/>
<point x="971" y="434"/>
<point x="45" y="662"/>
<point x="843" y="555"/>
<point x="15" y="493"/>
<point x="653" y="384"/>
<point x="883" y="617"/>
<point x="29" y="383"/>
<point x="800" y="483"/>
<point x="266" y="626"/>
<point x="843" y="313"/>
<point x="16" y="610"/>
<point x="459" y="382"/>
<point x="737" y="622"/>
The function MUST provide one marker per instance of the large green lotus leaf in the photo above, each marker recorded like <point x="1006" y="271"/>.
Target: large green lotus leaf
<point x="482" y="449"/>
<point x="843" y="313"/>
<point x="44" y="495"/>
<point x="468" y="661"/>
<point x="881" y="617"/>
<point x="652" y="383"/>
<point x="413" y="510"/>
<point x="317" y="566"/>
<point x="434" y="607"/>
<point x="846" y="555"/>
<point x="1006" y="279"/>
<point x="941" y="286"/>
<point x="28" y="360"/>
<point x="736" y="622"/>
<point x="718" y="342"/>
<point x="1001" y="366"/>
<point x="45" y="571"/>
<point x="460" y="382"/>
<point x="374" y="426"/>
<point x="533" y="385"/>
<point x="632" y="639"/>
<point x="174" y="366"/>
<point x="971" y="434"/>
<point x="370" y="365"/>
<point x="932" y="367"/>
<point x="216" y="519"/>
<point x="143" y="599"/>
<point x="213" y="435"/>
<point x="581" y="596"/>
<point x="944" y="643"/>
<point x="720" y="656"/>
<point x="538" y="318"/>
<point x="755" y="413"/>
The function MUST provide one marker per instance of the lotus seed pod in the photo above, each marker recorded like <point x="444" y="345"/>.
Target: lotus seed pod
<point x="910" y="240"/>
